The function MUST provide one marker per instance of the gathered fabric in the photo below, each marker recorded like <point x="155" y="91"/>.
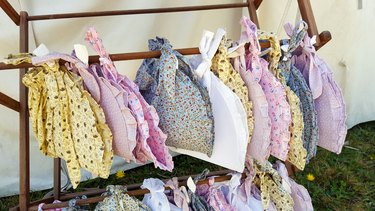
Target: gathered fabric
<point x="301" y="197"/>
<point x="223" y="69"/>
<point x="297" y="153"/>
<point x="328" y="98"/>
<point x="118" y="200"/>
<point x="178" y="196"/>
<point x="214" y="196"/>
<point x="278" y="107"/>
<point x="230" y="118"/>
<point x="156" y="199"/>
<point x="260" y="145"/>
<point x="66" y="120"/>
<point x="294" y="79"/>
<point x="271" y="187"/>
<point x="181" y="101"/>
<point x="112" y="100"/>
<point x="150" y="143"/>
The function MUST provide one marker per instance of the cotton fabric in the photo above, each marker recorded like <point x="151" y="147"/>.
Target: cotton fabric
<point x="182" y="103"/>
<point x="156" y="200"/>
<point x="151" y="139"/>
<point x="297" y="153"/>
<point x="328" y="98"/>
<point x="294" y="79"/>
<point x="260" y="145"/>
<point x="118" y="200"/>
<point x="301" y="197"/>
<point x="64" y="116"/>
<point x="230" y="119"/>
<point x="278" y="107"/>
<point x="224" y="70"/>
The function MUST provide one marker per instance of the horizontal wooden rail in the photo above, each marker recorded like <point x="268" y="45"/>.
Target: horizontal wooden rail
<point x="137" y="192"/>
<point x="135" y="11"/>
<point x="124" y="56"/>
<point x="10" y="11"/>
<point x="133" y="186"/>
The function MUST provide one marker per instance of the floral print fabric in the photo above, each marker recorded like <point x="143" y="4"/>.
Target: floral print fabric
<point x="230" y="118"/>
<point x="113" y="101"/>
<point x="301" y="197"/>
<point x="223" y="69"/>
<point x="296" y="154"/>
<point x="271" y="188"/>
<point x="177" y="196"/>
<point x="67" y="122"/>
<point x="259" y="146"/>
<point x="297" y="83"/>
<point x="328" y="98"/>
<point x="150" y="139"/>
<point x="278" y="107"/>
<point x="214" y="196"/>
<point x="118" y="200"/>
<point x="182" y="103"/>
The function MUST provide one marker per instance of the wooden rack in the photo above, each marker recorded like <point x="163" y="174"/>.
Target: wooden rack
<point x="22" y="20"/>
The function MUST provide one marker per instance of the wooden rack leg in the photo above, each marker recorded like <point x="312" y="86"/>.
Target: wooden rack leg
<point x="24" y="138"/>
<point x="253" y="12"/>
<point x="56" y="178"/>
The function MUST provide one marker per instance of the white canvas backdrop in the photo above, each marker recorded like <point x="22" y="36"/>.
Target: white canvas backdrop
<point x="349" y="53"/>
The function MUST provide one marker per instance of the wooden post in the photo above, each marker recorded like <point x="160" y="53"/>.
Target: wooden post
<point x="253" y="12"/>
<point x="308" y="16"/>
<point x="257" y="3"/>
<point x="10" y="11"/>
<point x="24" y="138"/>
<point x="56" y="178"/>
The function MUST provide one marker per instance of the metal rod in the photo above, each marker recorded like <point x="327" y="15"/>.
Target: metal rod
<point x="136" y="11"/>
<point x="9" y="102"/>
<point x="24" y="138"/>
<point x="10" y="11"/>
<point x="56" y="178"/>
<point x="138" y="192"/>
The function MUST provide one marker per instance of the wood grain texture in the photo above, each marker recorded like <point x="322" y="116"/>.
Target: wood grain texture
<point x="10" y="11"/>
<point x="9" y="102"/>
<point x="24" y="137"/>
<point x="136" y="11"/>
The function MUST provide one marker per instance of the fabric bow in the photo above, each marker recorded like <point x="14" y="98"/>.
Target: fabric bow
<point x="95" y="41"/>
<point x="310" y="71"/>
<point x="208" y="47"/>
<point x="156" y="198"/>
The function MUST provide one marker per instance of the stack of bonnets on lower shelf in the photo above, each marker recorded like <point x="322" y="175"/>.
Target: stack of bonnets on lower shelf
<point x="266" y="187"/>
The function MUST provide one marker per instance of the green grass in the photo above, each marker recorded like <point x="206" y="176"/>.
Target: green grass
<point x="345" y="181"/>
<point x="342" y="182"/>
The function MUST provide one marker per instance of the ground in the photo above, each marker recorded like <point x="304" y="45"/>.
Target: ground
<point x="341" y="182"/>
